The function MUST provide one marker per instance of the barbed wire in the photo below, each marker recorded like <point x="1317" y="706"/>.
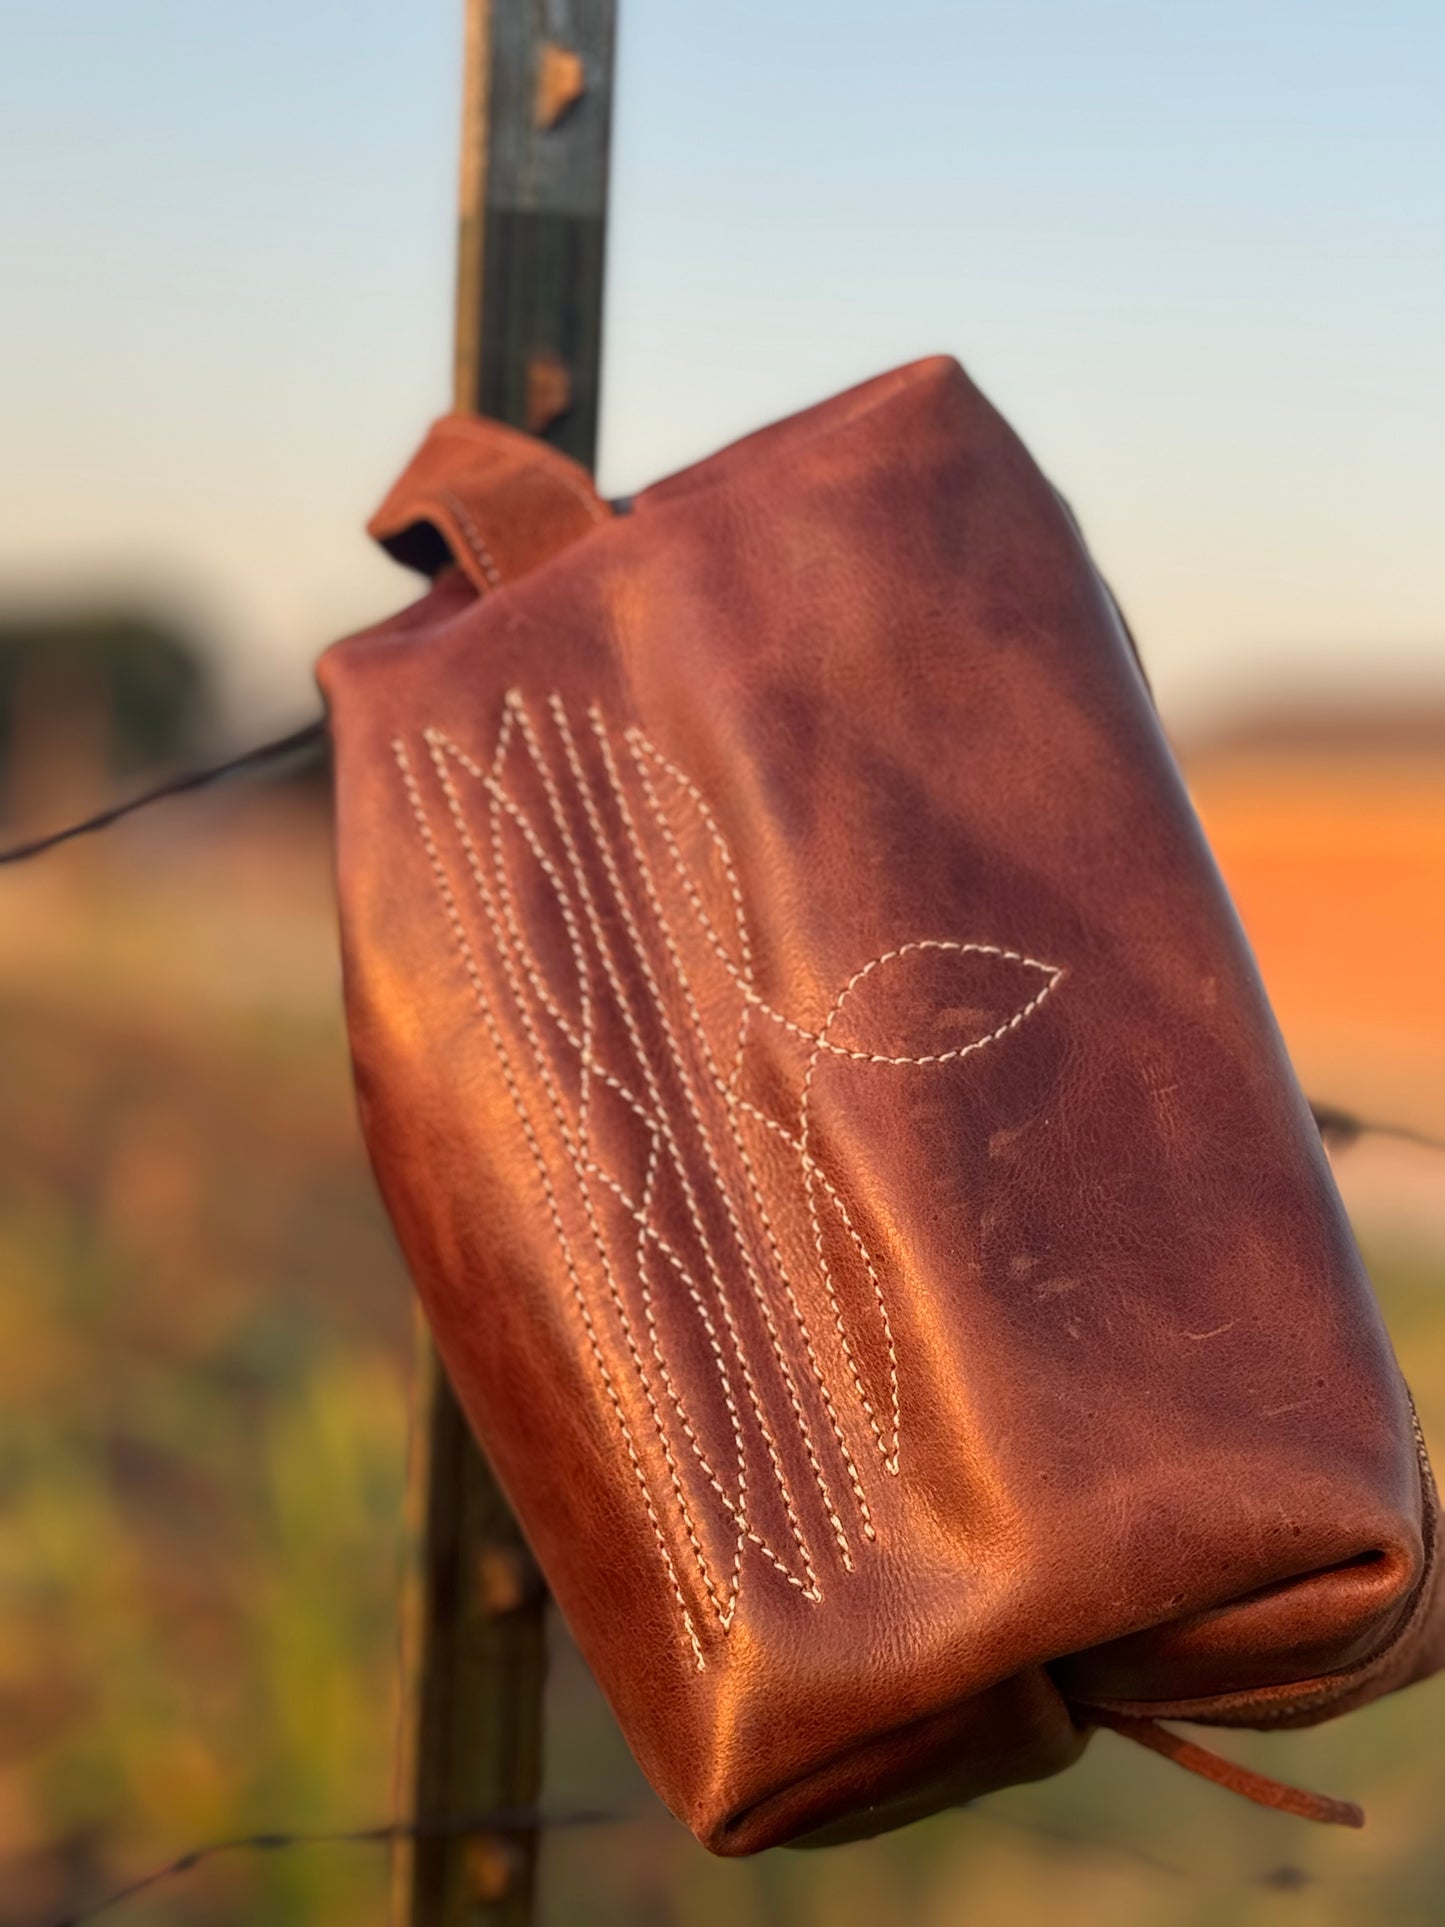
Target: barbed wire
<point x="500" y="1820"/>
<point x="309" y="736"/>
<point x="513" y="1820"/>
<point x="1341" y="1128"/>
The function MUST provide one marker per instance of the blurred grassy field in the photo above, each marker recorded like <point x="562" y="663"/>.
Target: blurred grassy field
<point x="205" y="1348"/>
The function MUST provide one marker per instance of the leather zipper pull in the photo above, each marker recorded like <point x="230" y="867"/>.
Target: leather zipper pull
<point x="1229" y="1774"/>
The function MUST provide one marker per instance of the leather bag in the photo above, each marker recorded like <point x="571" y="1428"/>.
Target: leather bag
<point x="834" y="1123"/>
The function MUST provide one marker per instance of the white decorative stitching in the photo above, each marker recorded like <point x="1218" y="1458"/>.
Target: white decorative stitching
<point x="679" y="1068"/>
<point x="726" y="1087"/>
<point x="743" y="977"/>
<point x="658" y="1116"/>
<point x="548" y="1188"/>
<point x="576" y="1146"/>
<point x="643" y="752"/>
<point x="604" y="882"/>
<point x="472" y="535"/>
<point x="591" y="1066"/>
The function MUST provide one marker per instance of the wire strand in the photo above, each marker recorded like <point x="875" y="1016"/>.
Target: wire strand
<point x="497" y="1820"/>
<point x="1341" y="1128"/>
<point x="304" y="738"/>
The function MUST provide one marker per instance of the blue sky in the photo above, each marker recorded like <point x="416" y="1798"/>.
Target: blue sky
<point x="1195" y="251"/>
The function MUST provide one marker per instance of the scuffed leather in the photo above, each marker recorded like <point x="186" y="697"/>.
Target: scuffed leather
<point x="931" y="1314"/>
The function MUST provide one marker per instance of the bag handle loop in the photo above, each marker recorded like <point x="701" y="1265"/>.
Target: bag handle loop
<point x="487" y="498"/>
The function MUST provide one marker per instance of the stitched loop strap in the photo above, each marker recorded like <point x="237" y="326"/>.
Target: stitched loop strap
<point x="1227" y="1773"/>
<point x="488" y="498"/>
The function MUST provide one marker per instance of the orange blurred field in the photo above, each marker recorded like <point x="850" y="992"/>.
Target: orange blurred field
<point x="1337" y="868"/>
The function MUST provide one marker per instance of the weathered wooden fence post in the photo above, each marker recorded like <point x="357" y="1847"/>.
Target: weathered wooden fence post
<point x="536" y="121"/>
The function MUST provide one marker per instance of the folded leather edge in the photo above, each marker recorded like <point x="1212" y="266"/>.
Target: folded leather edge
<point x="1307" y="1702"/>
<point x="487" y="498"/>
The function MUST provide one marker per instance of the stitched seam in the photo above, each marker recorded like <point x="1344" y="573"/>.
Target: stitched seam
<point x="539" y="1158"/>
<point x="719" y="1084"/>
<point x="472" y="536"/>
<point x="647" y="1231"/>
<point x="579" y="778"/>
<point x="679" y="1163"/>
<point x="517" y="712"/>
<point x="642" y="750"/>
<point x="576" y="1148"/>
<point x="887" y="1448"/>
<point x="729" y="1096"/>
<point x="655" y="1237"/>
<point x="1054" y="972"/>
<point x="699" y="1230"/>
<point x="589" y="1065"/>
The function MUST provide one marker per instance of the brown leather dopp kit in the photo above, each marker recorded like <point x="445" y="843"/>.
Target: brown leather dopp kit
<point x="836" y="1128"/>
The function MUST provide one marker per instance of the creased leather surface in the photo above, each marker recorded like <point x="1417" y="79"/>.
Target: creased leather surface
<point x="836" y="1128"/>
